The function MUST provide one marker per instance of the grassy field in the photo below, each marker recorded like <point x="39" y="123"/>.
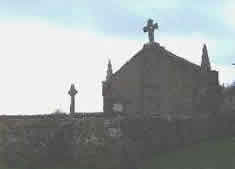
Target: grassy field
<point x="217" y="154"/>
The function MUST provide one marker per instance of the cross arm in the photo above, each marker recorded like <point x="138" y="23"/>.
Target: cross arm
<point x="72" y="91"/>
<point x="155" y="26"/>
<point x="145" y="29"/>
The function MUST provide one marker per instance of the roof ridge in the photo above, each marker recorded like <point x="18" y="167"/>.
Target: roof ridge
<point x="127" y="62"/>
<point x="181" y="58"/>
<point x="164" y="50"/>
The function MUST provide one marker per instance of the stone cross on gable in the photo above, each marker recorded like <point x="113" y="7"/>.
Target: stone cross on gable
<point x="150" y="29"/>
<point x="72" y="92"/>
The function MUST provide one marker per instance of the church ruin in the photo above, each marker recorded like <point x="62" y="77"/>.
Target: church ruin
<point x="157" y="82"/>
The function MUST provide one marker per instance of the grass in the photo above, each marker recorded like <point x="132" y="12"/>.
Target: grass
<point x="217" y="154"/>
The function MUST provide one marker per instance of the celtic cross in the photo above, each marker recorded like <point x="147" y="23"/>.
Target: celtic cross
<point x="150" y="29"/>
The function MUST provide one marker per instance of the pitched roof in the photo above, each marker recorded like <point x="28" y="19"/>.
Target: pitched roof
<point x="182" y="60"/>
<point x="168" y="53"/>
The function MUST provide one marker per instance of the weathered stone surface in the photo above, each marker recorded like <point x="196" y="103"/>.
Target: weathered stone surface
<point x="156" y="81"/>
<point x="101" y="142"/>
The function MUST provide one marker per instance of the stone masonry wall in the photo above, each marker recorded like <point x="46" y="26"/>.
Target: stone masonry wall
<point x="100" y="142"/>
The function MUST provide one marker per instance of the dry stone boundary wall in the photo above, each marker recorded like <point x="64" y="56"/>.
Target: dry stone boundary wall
<point x="100" y="142"/>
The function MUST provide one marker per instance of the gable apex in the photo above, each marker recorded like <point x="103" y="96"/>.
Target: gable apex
<point x="155" y="51"/>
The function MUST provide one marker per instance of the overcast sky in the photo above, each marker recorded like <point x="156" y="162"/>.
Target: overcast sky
<point x="45" y="45"/>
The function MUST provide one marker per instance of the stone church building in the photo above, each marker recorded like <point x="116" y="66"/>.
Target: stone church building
<point x="157" y="82"/>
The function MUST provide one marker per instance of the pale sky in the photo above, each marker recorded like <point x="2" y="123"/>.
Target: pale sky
<point x="45" y="45"/>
